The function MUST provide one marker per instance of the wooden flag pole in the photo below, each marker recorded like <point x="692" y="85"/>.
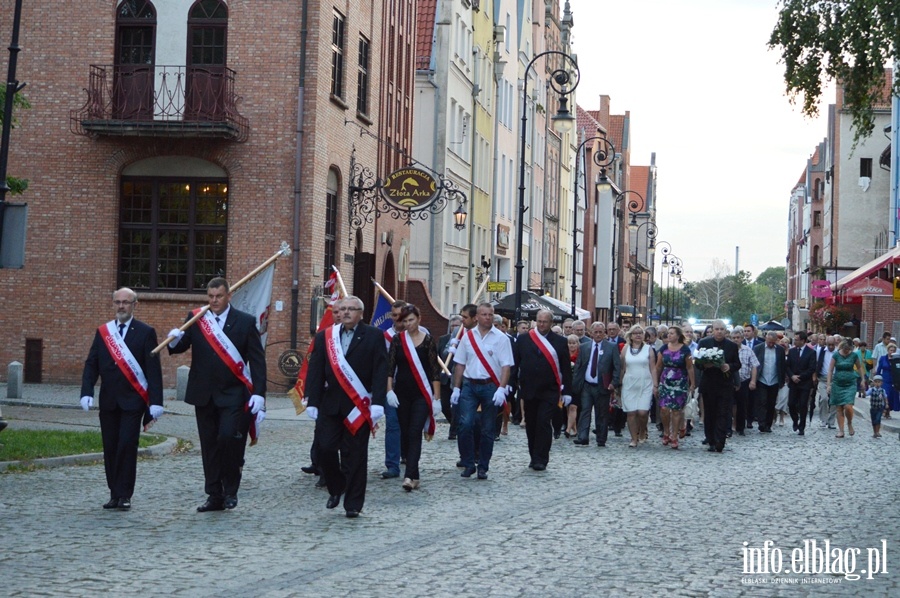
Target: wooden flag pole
<point x="340" y="281"/>
<point x="459" y="332"/>
<point x="284" y="250"/>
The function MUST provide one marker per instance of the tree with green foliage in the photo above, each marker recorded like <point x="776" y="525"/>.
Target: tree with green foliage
<point x="846" y="41"/>
<point x="16" y="186"/>
<point x="771" y="293"/>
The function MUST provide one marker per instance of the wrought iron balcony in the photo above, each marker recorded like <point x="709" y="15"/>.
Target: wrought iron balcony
<point x="161" y="101"/>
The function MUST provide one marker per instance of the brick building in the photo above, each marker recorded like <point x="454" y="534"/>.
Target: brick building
<point x="165" y="145"/>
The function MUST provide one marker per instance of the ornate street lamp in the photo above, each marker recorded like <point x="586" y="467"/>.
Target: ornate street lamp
<point x="563" y="81"/>
<point x="634" y="206"/>
<point x="602" y="156"/>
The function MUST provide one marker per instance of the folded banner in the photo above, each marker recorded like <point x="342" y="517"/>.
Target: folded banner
<point x="255" y="298"/>
<point x="297" y="393"/>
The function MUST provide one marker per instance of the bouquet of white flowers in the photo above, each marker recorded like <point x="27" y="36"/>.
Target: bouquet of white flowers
<point x="711" y="357"/>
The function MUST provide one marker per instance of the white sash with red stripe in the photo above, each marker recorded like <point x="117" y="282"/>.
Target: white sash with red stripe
<point x="475" y="341"/>
<point x="124" y="358"/>
<point x="228" y="353"/>
<point x="225" y="349"/>
<point x="418" y="372"/>
<point x="549" y="354"/>
<point x="388" y="336"/>
<point x="349" y="381"/>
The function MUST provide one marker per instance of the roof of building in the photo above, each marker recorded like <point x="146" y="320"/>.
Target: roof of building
<point x="425" y="14"/>
<point x="587" y="122"/>
<point x="617" y="130"/>
<point x="638" y="181"/>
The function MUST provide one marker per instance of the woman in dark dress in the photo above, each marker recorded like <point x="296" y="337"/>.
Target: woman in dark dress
<point x="414" y="388"/>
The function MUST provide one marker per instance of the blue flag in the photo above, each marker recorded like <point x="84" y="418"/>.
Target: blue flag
<point x="381" y="317"/>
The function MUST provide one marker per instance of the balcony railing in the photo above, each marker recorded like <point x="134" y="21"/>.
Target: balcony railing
<point x="161" y="101"/>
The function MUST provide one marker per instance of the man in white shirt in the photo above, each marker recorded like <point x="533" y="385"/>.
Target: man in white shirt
<point x="482" y="366"/>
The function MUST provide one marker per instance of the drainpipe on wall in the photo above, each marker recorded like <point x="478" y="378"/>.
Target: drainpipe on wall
<point x="298" y="182"/>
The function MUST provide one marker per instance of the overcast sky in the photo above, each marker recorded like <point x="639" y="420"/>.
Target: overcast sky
<point x="707" y="95"/>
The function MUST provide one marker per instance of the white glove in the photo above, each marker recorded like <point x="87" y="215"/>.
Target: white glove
<point x="312" y="413"/>
<point x="500" y="397"/>
<point x="256" y="403"/>
<point x="176" y="334"/>
<point x="377" y="412"/>
<point x="567" y="400"/>
<point x="454" y="342"/>
<point x="392" y="399"/>
<point x="260" y="416"/>
<point x="87" y="402"/>
<point x="454" y="397"/>
<point x="436" y="409"/>
<point x="156" y="411"/>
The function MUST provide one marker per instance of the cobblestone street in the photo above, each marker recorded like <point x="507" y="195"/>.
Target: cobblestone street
<point x="599" y="522"/>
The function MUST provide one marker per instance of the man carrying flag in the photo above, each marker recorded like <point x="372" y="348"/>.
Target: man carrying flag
<point x="227" y="386"/>
<point x="544" y="380"/>
<point x="346" y="385"/>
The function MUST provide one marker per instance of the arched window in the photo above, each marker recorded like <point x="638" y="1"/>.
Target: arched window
<point x="332" y="191"/>
<point x="207" y="57"/>
<point x="134" y="60"/>
<point x="173" y="224"/>
<point x="815" y="256"/>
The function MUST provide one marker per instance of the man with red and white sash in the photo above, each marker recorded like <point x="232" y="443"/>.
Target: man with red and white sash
<point x="130" y="392"/>
<point x="545" y="377"/>
<point x="226" y="386"/>
<point x="482" y="364"/>
<point x="346" y="385"/>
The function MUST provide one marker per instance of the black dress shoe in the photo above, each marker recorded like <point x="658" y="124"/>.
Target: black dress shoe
<point x="704" y="441"/>
<point x="800" y="433"/>
<point x="333" y="501"/>
<point x="796" y="427"/>
<point x="728" y="435"/>
<point x="352" y="514"/>
<point x="385" y="475"/>
<point x="230" y="502"/>
<point x="531" y="465"/>
<point x="537" y="467"/>
<point x="310" y="469"/>
<point x="711" y="449"/>
<point x="556" y="435"/>
<point x="467" y="472"/>
<point x="482" y="474"/>
<point x="580" y="442"/>
<point x="619" y="434"/>
<point x="402" y="460"/>
<point x="320" y="483"/>
<point x="124" y="504"/>
<point x="112" y="504"/>
<point x="740" y="432"/>
<point x="211" y="504"/>
<point x="720" y="447"/>
<point x="460" y="463"/>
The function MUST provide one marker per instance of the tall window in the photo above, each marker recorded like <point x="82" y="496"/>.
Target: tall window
<point x="331" y="219"/>
<point x="172" y="232"/>
<point x="865" y="167"/>
<point x="362" y="77"/>
<point x="135" y="56"/>
<point x="337" y="55"/>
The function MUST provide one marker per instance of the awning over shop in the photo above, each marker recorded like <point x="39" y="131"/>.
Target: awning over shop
<point x="891" y="257"/>
<point x="581" y="314"/>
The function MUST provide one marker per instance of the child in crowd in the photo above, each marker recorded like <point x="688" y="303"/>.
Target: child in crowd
<point x="877" y="399"/>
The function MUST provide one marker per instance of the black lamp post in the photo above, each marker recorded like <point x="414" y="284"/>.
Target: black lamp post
<point x="651" y="233"/>
<point x="665" y="248"/>
<point x="563" y="81"/>
<point x="634" y="205"/>
<point x="675" y="270"/>
<point x="603" y="156"/>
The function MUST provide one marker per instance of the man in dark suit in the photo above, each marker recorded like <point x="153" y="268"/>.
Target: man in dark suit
<point x="343" y="423"/>
<point x="618" y="418"/>
<point x="594" y="380"/>
<point x="717" y="387"/>
<point x="131" y="391"/>
<point x="226" y="398"/>
<point x="545" y="379"/>
<point x="769" y="379"/>
<point x="443" y="346"/>
<point x="801" y="366"/>
<point x="750" y="337"/>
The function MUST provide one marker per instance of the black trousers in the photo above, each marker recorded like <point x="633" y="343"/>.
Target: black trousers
<point x="539" y="429"/>
<point x="717" y="402"/>
<point x="120" y="431"/>
<point x="743" y="407"/>
<point x="223" y="438"/>
<point x="798" y="404"/>
<point x="766" y="397"/>
<point x="619" y="419"/>
<point x="343" y="459"/>
<point x="596" y="401"/>
<point x="412" y="414"/>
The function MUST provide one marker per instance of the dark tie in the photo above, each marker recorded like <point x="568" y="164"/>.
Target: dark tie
<point x="218" y="322"/>
<point x="594" y="360"/>
<point x="122" y="330"/>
